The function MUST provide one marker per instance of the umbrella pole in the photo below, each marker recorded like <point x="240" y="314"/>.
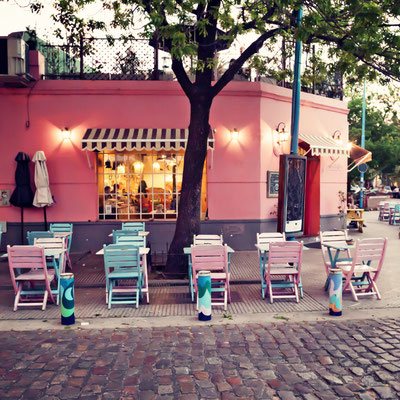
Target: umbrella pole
<point x="45" y="218"/>
<point x="22" y="225"/>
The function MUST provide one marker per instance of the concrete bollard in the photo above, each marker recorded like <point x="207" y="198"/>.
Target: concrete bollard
<point x="67" y="299"/>
<point x="335" y="292"/>
<point x="204" y="295"/>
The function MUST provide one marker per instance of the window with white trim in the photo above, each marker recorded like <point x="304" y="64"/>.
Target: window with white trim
<point x="142" y="185"/>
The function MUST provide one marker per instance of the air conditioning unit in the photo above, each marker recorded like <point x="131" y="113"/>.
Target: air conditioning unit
<point x="14" y="61"/>
<point x="17" y="52"/>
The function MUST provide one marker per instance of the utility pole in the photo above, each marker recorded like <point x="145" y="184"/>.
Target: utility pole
<point x="363" y="146"/>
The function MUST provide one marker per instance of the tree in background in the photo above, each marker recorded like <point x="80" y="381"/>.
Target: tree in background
<point x="382" y="135"/>
<point x="360" y="38"/>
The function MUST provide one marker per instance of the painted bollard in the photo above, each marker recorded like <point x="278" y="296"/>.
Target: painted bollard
<point x="204" y="293"/>
<point x="335" y="292"/>
<point x="67" y="299"/>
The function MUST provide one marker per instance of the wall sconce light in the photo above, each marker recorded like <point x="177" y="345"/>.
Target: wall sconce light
<point x="281" y="136"/>
<point x="235" y="134"/>
<point x="66" y="134"/>
<point x="337" y="137"/>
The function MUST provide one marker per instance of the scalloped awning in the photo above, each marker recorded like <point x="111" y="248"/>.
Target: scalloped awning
<point x="138" y="139"/>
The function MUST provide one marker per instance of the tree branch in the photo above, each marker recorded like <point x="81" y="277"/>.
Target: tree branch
<point x="234" y="68"/>
<point x="182" y="77"/>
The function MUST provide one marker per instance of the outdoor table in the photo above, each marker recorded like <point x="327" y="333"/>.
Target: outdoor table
<point x="188" y="252"/>
<point x="334" y="259"/>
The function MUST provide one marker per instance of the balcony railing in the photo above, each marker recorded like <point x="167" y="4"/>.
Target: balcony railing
<point x="136" y="59"/>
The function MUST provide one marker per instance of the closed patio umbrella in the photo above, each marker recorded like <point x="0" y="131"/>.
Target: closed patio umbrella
<point x="43" y="196"/>
<point x="22" y="195"/>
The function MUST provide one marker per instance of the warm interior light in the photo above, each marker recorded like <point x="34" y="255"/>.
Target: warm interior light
<point x="138" y="166"/>
<point x="235" y="134"/>
<point x="156" y="165"/>
<point x="170" y="161"/>
<point x="121" y="168"/>
<point x="66" y="134"/>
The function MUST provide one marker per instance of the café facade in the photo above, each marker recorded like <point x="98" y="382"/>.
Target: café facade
<point x="115" y="152"/>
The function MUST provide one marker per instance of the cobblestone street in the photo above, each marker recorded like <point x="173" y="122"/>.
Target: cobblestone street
<point x="324" y="360"/>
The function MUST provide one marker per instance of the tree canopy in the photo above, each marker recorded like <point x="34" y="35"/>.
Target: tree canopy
<point x="357" y="37"/>
<point x="382" y="135"/>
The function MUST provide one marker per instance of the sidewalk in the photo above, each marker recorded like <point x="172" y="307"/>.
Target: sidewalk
<point x="170" y="302"/>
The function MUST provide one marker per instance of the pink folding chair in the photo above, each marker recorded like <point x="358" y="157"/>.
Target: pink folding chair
<point x="364" y="268"/>
<point x="213" y="258"/>
<point x="35" y="282"/>
<point x="384" y="212"/>
<point x="283" y="271"/>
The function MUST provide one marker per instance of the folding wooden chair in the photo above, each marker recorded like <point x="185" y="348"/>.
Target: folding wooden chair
<point x="213" y="258"/>
<point x="384" y="212"/>
<point x="133" y="226"/>
<point x="138" y="241"/>
<point x="56" y="258"/>
<point x="284" y="263"/>
<point x="267" y="238"/>
<point x="122" y="265"/>
<point x="118" y="233"/>
<point x="365" y="266"/>
<point x="64" y="228"/>
<point x="394" y="218"/>
<point x="33" y="284"/>
<point x="31" y="236"/>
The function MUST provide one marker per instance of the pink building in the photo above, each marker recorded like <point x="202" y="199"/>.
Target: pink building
<point x="113" y="121"/>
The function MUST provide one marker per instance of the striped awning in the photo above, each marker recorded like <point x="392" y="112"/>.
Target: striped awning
<point x="138" y="139"/>
<point x="323" y="145"/>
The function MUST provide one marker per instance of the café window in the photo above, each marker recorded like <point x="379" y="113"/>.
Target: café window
<point x="142" y="185"/>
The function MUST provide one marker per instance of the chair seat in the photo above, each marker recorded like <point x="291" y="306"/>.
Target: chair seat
<point x="35" y="275"/>
<point x="359" y="268"/>
<point x="123" y="275"/>
<point x="284" y="270"/>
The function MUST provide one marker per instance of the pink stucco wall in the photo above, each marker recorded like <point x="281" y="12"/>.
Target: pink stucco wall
<point x="236" y="175"/>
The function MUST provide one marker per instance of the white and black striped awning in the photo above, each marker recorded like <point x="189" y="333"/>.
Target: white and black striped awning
<point x="138" y="139"/>
<point x="323" y="145"/>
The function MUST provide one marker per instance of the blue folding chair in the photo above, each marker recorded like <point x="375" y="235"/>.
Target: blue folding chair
<point x="31" y="236"/>
<point x="61" y="227"/>
<point x="122" y="264"/>
<point x="119" y="233"/>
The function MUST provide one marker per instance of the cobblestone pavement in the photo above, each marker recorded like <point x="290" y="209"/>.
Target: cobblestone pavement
<point x="324" y="360"/>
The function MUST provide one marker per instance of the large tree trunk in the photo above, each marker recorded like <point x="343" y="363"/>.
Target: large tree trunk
<point x="188" y="223"/>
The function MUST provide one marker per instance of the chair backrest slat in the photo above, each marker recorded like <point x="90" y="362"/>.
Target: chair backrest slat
<point x="207" y="239"/>
<point x="133" y="226"/>
<point x="119" y="233"/>
<point x="285" y="252"/>
<point x="270" y="237"/>
<point x="31" y="236"/>
<point x="337" y="237"/>
<point x="61" y="227"/>
<point x="134" y="240"/>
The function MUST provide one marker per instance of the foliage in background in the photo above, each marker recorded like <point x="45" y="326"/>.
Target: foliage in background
<point x="382" y="134"/>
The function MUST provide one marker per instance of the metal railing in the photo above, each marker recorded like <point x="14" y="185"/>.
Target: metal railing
<point x="136" y="59"/>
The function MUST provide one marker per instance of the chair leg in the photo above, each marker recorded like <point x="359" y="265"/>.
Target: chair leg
<point x="225" y="299"/>
<point x="109" y="294"/>
<point x="353" y="292"/>
<point x="271" y="298"/>
<point x="46" y="294"/>
<point x="17" y="297"/>
<point x="296" y="292"/>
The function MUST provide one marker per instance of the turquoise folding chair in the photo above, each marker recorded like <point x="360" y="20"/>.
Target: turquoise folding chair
<point x="138" y="241"/>
<point x="31" y="236"/>
<point x="119" y="233"/>
<point x="122" y="265"/>
<point x="61" y="227"/>
<point x="394" y="218"/>
<point x="134" y="226"/>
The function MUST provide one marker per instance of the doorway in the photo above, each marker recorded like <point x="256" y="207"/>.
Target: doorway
<point x="312" y="200"/>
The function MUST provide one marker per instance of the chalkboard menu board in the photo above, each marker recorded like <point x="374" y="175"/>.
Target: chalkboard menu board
<point x="272" y="183"/>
